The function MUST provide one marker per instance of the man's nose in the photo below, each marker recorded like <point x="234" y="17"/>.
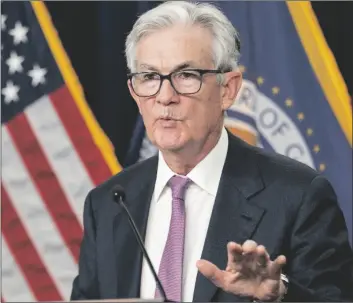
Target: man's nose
<point x="167" y="93"/>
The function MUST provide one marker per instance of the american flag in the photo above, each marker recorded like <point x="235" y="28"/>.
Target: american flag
<point x="53" y="153"/>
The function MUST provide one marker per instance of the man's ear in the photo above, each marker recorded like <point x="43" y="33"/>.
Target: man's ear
<point x="231" y="85"/>
<point x="133" y="95"/>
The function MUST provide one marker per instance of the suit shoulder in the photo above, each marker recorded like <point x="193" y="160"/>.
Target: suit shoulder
<point x="283" y="166"/>
<point x="289" y="180"/>
<point x="127" y="178"/>
<point x="274" y="166"/>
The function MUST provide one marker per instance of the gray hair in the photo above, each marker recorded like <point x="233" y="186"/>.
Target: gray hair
<point x="226" y="45"/>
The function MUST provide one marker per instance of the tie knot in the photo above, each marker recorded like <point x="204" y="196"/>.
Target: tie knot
<point x="178" y="185"/>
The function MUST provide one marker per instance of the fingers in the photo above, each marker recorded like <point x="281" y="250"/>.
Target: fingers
<point x="249" y="267"/>
<point x="252" y="259"/>
<point x="211" y="272"/>
<point x="276" y="266"/>
<point x="255" y="254"/>
<point x="249" y="247"/>
<point x="240" y="255"/>
<point x="234" y="251"/>
<point x="262" y="256"/>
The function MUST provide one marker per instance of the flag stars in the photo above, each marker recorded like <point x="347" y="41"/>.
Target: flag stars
<point x="309" y="132"/>
<point x="15" y="63"/>
<point x="3" y="20"/>
<point x="316" y="148"/>
<point x="10" y="92"/>
<point x="289" y="102"/>
<point x="322" y="167"/>
<point x="19" y="33"/>
<point x="260" y="80"/>
<point x="300" y="116"/>
<point x="275" y="90"/>
<point x="38" y="75"/>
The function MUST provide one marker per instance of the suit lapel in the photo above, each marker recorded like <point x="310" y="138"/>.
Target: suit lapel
<point x="233" y="217"/>
<point x="127" y="251"/>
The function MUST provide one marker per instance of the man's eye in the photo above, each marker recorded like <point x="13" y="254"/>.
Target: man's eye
<point x="150" y="76"/>
<point x="188" y="75"/>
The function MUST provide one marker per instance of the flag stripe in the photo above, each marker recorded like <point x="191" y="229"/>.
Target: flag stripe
<point x="323" y="63"/>
<point x="80" y="135"/>
<point x="35" y="212"/>
<point x="46" y="181"/>
<point x="61" y="153"/>
<point x="74" y="87"/>
<point x="43" y="175"/>
<point x="25" y="254"/>
<point x="13" y="285"/>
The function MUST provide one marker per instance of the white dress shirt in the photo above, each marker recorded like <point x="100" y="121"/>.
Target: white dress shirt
<point x="199" y="199"/>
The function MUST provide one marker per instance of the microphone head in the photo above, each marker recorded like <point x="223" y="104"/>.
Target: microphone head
<point x="118" y="193"/>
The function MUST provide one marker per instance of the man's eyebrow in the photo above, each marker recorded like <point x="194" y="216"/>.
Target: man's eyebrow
<point x="187" y="64"/>
<point x="148" y="67"/>
<point x="183" y="65"/>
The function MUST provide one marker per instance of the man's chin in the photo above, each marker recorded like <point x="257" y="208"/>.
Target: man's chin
<point x="170" y="146"/>
<point x="170" y="140"/>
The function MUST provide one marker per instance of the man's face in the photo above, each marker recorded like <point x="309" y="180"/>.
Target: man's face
<point x="191" y="118"/>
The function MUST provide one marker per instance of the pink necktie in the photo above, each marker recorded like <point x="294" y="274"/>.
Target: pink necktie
<point x="171" y="266"/>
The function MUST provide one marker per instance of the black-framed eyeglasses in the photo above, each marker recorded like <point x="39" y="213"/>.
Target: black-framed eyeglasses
<point x="184" y="82"/>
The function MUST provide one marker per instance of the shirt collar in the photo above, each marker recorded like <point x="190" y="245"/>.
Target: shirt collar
<point x="164" y="173"/>
<point x="206" y="174"/>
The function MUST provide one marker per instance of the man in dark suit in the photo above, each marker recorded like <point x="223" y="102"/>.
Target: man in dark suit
<point x="221" y="220"/>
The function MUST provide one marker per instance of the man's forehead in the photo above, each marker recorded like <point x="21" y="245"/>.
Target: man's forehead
<point x="173" y="60"/>
<point x="172" y="48"/>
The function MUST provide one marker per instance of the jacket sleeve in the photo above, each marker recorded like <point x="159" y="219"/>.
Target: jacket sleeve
<point x="85" y="285"/>
<point x="320" y="264"/>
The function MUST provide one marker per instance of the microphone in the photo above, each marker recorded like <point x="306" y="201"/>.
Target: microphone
<point x="119" y="198"/>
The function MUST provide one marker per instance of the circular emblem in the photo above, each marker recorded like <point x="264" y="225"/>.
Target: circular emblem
<point x="255" y="111"/>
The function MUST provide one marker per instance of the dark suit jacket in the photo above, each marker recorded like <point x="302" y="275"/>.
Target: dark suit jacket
<point x="278" y="202"/>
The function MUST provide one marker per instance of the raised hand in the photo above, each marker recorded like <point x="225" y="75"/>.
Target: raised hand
<point x="249" y="272"/>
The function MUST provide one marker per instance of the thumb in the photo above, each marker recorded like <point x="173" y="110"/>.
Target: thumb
<point x="211" y="272"/>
